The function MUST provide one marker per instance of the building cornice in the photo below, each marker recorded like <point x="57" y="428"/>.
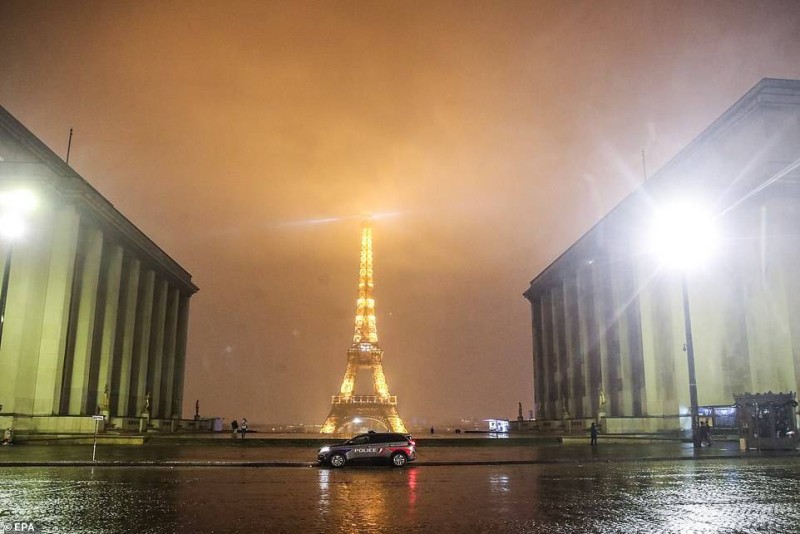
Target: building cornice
<point x="50" y="169"/>
<point x="766" y="93"/>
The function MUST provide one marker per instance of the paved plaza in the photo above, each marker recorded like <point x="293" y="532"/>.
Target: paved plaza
<point x="643" y="487"/>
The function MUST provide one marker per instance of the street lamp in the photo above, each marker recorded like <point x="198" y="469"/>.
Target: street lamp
<point x="684" y="236"/>
<point x="15" y="205"/>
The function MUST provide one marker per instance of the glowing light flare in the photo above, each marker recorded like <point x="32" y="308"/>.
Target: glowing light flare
<point x="684" y="235"/>
<point x="15" y="205"/>
<point x="12" y="226"/>
<point x="328" y="220"/>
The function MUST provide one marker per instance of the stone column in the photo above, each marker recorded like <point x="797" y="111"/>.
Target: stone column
<point x="83" y="330"/>
<point x="581" y="327"/>
<point x="549" y="368"/>
<point x="126" y="330"/>
<point x="180" y="356"/>
<point x="635" y="347"/>
<point x="574" y="348"/>
<point x="156" y="351"/>
<point x="18" y="354"/>
<point x="632" y="364"/>
<point x="109" y="334"/>
<point x="538" y="355"/>
<point x="22" y="328"/>
<point x="141" y="342"/>
<point x="55" y="318"/>
<point x="588" y="309"/>
<point x="170" y="359"/>
<point x="609" y="328"/>
<point x="561" y="353"/>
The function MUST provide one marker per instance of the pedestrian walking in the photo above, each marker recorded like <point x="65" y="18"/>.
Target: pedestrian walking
<point x="235" y="427"/>
<point x="243" y="427"/>
<point x="593" y="434"/>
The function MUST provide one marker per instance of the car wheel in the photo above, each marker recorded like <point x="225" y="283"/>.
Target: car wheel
<point x="337" y="460"/>
<point x="399" y="459"/>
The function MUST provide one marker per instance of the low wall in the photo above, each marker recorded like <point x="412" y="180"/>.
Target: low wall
<point x="32" y="424"/>
<point x="84" y="424"/>
<point x="641" y="425"/>
<point x="607" y="425"/>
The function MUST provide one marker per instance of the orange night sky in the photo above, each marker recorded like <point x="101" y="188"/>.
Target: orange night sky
<point x="495" y="133"/>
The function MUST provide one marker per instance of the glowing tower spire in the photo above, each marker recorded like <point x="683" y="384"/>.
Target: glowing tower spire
<point x="366" y="331"/>
<point x="364" y="353"/>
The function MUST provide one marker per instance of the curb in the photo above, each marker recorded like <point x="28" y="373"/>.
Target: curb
<point x="233" y="464"/>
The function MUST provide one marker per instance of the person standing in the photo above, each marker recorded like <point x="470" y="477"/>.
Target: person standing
<point x="593" y="433"/>
<point x="705" y="433"/>
<point x="708" y="431"/>
<point x="243" y="427"/>
<point x="235" y="427"/>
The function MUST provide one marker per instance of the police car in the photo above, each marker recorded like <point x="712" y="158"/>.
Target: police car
<point x="397" y="449"/>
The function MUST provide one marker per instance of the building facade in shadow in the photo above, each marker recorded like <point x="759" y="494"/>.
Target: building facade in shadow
<point x="609" y="336"/>
<point x="94" y="314"/>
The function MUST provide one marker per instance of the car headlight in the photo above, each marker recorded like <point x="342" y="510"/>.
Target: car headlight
<point x="324" y="450"/>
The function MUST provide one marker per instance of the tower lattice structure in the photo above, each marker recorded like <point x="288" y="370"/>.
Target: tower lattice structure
<point x="364" y="354"/>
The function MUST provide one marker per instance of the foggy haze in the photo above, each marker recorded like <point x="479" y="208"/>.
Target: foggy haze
<point x="245" y="139"/>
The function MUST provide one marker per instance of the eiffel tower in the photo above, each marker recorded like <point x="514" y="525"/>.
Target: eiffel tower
<point x="364" y="353"/>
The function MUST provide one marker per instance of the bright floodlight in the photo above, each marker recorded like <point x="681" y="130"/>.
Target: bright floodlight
<point x="15" y="205"/>
<point x="684" y="235"/>
<point x="11" y="226"/>
<point x="17" y="201"/>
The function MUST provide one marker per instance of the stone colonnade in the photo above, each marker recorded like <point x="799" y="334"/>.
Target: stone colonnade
<point x="608" y="321"/>
<point x="96" y="314"/>
<point x="91" y="325"/>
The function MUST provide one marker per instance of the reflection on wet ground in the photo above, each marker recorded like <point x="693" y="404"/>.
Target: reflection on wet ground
<point x="742" y="495"/>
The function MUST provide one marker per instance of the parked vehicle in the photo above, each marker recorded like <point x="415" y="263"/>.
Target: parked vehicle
<point x="372" y="447"/>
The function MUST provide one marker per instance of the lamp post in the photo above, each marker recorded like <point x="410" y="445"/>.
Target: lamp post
<point x="687" y="324"/>
<point x="15" y="205"/>
<point x="4" y="289"/>
<point x="684" y="236"/>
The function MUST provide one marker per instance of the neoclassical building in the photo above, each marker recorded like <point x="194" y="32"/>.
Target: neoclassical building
<point x="94" y="314"/>
<point x="609" y="336"/>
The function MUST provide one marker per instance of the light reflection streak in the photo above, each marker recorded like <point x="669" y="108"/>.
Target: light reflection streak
<point x="275" y="225"/>
<point x="696" y="504"/>
<point x="412" y="487"/>
<point x="499" y="483"/>
<point x="324" y="501"/>
<point x="326" y="220"/>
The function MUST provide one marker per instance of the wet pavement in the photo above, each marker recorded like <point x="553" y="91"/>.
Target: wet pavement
<point x="542" y="488"/>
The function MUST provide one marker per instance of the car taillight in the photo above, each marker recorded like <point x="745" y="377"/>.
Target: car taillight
<point x="411" y="442"/>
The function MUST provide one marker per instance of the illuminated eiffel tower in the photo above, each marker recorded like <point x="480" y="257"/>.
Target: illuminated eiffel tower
<point x="364" y="353"/>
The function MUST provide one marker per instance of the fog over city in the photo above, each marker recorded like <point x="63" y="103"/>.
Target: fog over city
<point x="247" y="138"/>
